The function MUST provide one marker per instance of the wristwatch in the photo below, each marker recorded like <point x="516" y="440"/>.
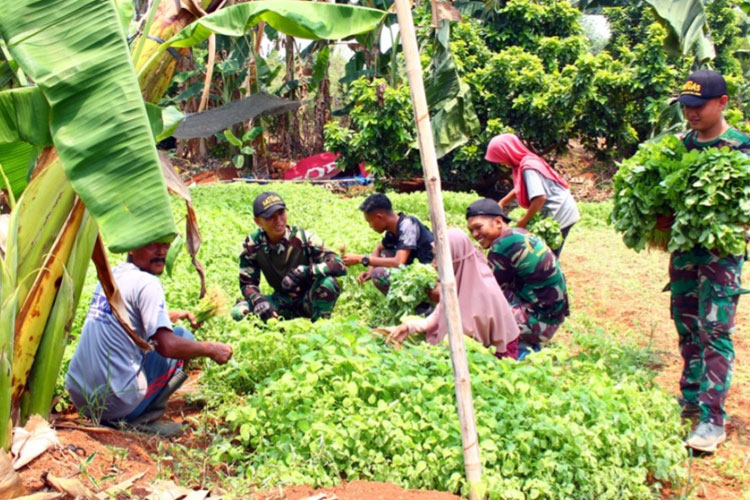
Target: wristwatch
<point x="365" y="260"/>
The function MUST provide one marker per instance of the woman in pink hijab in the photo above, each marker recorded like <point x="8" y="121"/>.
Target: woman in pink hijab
<point x="536" y="186"/>
<point x="485" y="314"/>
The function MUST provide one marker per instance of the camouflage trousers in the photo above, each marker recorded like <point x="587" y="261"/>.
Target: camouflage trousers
<point x="317" y="302"/>
<point x="533" y="329"/>
<point x="705" y="289"/>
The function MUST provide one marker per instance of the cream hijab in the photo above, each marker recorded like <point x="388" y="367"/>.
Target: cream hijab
<point x="485" y="314"/>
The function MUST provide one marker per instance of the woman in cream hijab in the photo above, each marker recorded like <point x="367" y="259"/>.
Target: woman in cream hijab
<point x="485" y="314"/>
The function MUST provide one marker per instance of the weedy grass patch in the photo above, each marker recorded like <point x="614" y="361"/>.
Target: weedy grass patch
<point x="316" y="403"/>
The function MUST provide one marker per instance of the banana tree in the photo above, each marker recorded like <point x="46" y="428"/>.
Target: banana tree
<point x="103" y="170"/>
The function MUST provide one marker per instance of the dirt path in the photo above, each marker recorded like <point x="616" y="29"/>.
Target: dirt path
<point x="620" y="289"/>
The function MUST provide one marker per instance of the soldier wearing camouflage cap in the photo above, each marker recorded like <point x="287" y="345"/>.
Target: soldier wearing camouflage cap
<point x="527" y="271"/>
<point x="295" y="262"/>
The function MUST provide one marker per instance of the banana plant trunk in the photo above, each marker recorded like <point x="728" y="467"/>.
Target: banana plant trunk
<point x="31" y="357"/>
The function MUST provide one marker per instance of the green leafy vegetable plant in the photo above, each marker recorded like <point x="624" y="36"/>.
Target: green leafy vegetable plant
<point x="712" y="202"/>
<point x="547" y="229"/>
<point x="707" y="192"/>
<point x="329" y="400"/>
<point x="410" y="286"/>
<point x="642" y="188"/>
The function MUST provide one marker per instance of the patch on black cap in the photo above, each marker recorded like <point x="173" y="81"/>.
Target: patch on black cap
<point x="267" y="204"/>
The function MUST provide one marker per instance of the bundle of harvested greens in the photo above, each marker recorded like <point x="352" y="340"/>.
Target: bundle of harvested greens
<point x="215" y="303"/>
<point x="641" y="189"/>
<point x="548" y="229"/>
<point x="707" y="191"/>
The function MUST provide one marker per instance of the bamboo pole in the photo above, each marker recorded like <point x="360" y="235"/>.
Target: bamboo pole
<point x="448" y="295"/>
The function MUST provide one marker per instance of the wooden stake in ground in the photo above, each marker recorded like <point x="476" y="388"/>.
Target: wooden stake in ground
<point x="448" y="295"/>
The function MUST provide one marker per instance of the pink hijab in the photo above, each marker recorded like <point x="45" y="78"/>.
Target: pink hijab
<point x="509" y="150"/>
<point x="485" y="314"/>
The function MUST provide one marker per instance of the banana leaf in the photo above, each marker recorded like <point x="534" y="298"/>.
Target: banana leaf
<point x="17" y="160"/>
<point x="454" y="120"/>
<point x="77" y="55"/>
<point x="24" y="116"/>
<point x="309" y="20"/>
<point x="686" y="21"/>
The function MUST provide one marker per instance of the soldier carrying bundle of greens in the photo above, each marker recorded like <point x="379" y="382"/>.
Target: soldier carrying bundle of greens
<point x="299" y="268"/>
<point x="705" y="285"/>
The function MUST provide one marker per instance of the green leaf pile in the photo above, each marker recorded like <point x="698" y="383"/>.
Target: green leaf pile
<point x="708" y="192"/>
<point x="641" y="192"/>
<point x="410" y="287"/>
<point x="713" y="209"/>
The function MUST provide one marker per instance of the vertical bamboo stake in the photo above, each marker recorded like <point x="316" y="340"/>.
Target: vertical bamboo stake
<point x="448" y="295"/>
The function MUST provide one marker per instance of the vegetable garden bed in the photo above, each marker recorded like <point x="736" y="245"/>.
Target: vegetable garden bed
<point x="316" y="404"/>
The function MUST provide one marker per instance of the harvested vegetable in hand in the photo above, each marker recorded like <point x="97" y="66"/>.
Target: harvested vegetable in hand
<point x="215" y="303"/>
<point x="641" y="188"/>
<point x="548" y="229"/>
<point x="410" y="286"/>
<point x="712" y="203"/>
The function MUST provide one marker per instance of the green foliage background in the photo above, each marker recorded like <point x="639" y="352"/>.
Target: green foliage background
<point x="531" y="70"/>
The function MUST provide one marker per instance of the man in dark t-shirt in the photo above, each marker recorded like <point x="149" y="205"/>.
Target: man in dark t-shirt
<point x="406" y="240"/>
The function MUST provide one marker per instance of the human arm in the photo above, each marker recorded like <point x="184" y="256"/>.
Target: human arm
<point x="173" y="346"/>
<point x="424" y="325"/>
<point x="501" y="263"/>
<point x="176" y="315"/>
<point x="534" y="207"/>
<point x="250" y="272"/>
<point x="321" y="263"/>
<point x="507" y="199"/>
<point x="534" y="185"/>
<point x="401" y="257"/>
<point x="664" y="222"/>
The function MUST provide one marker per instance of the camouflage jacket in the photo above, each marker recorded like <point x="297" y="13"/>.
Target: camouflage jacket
<point x="320" y="261"/>
<point x="732" y="138"/>
<point x="527" y="270"/>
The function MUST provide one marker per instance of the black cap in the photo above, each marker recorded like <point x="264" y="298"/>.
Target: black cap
<point x="267" y="204"/>
<point x="376" y="201"/>
<point x="700" y="87"/>
<point x="487" y="207"/>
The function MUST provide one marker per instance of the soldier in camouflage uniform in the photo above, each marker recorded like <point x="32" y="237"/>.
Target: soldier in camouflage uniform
<point x="705" y="286"/>
<point x="300" y="269"/>
<point x="526" y="270"/>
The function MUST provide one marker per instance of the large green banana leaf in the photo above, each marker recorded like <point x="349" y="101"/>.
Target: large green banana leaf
<point x="24" y="116"/>
<point x="16" y="160"/>
<point x="310" y="20"/>
<point x="686" y="20"/>
<point x="77" y="55"/>
<point x="454" y="120"/>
